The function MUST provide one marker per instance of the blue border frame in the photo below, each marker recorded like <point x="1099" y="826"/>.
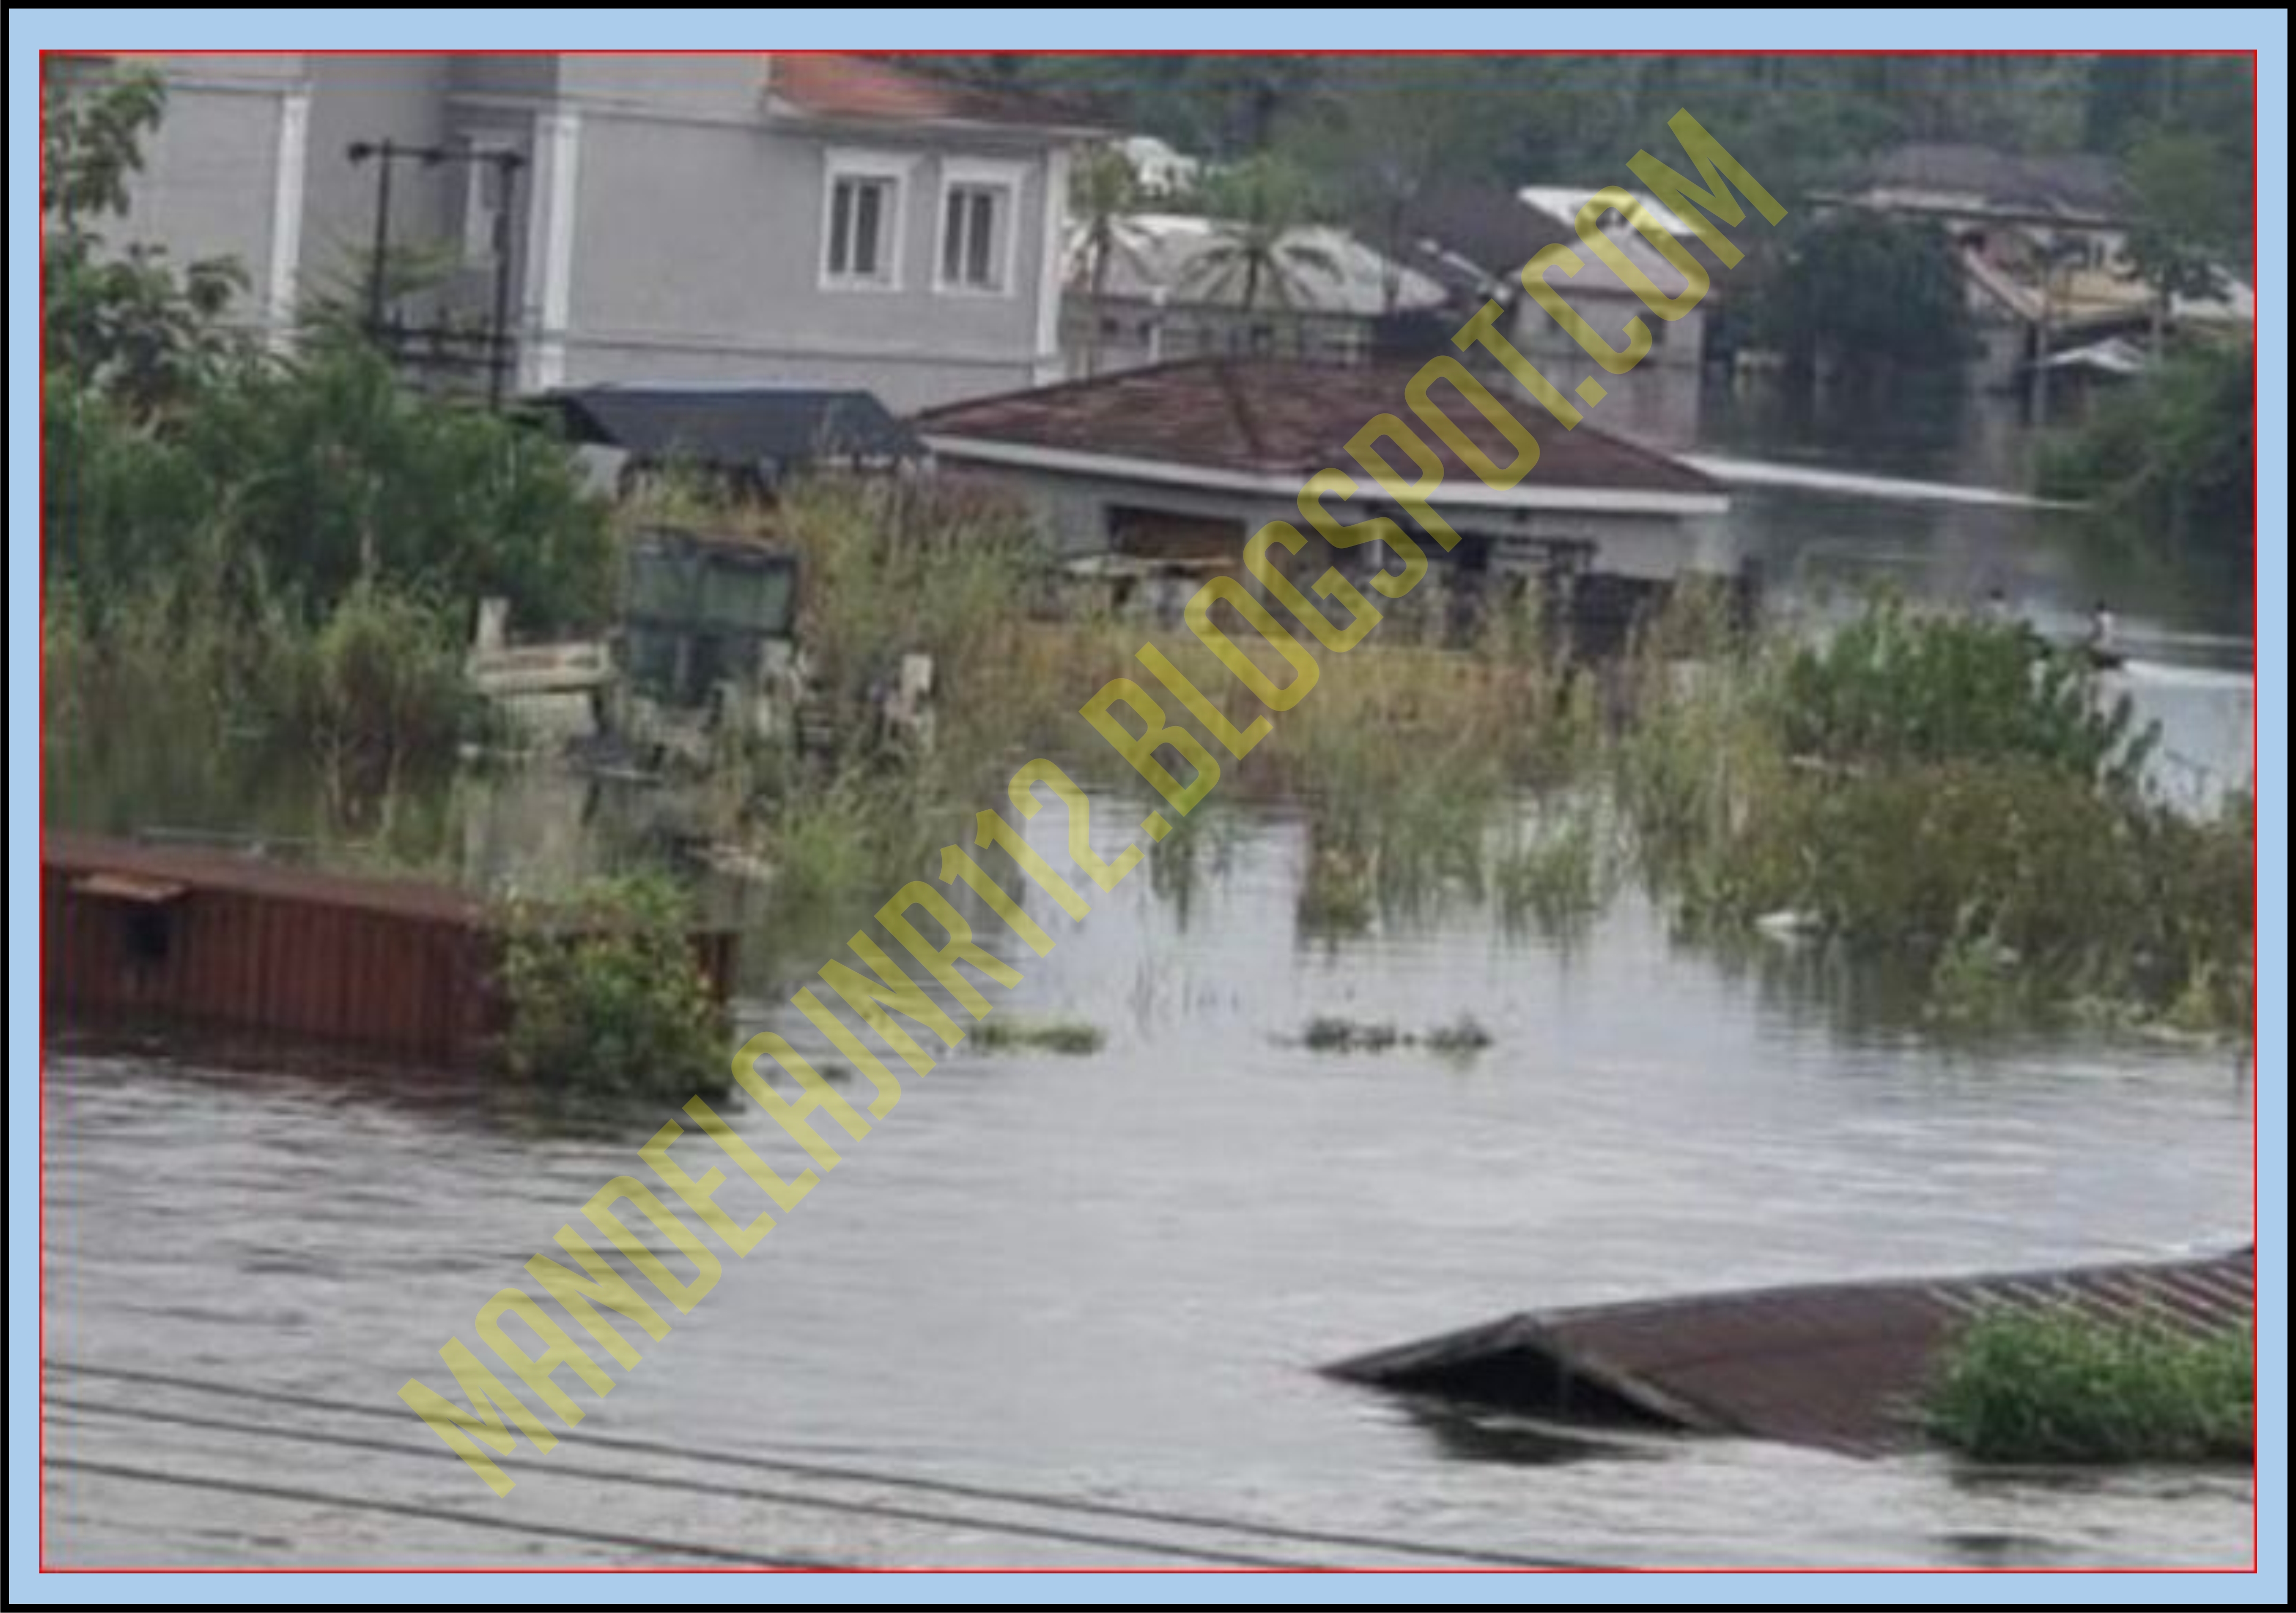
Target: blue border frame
<point x="29" y="31"/>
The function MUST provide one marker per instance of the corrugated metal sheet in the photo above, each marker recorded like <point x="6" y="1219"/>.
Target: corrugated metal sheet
<point x="403" y="966"/>
<point x="1836" y="1365"/>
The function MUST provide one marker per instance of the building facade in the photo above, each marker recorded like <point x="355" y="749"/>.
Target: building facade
<point x="730" y="218"/>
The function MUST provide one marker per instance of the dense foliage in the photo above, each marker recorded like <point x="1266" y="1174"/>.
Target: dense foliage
<point x="1862" y="287"/>
<point x="2064" y="1387"/>
<point x="1894" y="687"/>
<point x="2172" y="457"/>
<point x="254" y="562"/>
<point x="1944" y="794"/>
<point x="604" y="993"/>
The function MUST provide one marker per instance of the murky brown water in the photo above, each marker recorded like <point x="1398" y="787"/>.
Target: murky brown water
<point x="1109" y="1278"/>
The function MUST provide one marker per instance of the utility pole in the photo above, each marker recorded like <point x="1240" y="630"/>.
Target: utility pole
<point x="386" y="333"/>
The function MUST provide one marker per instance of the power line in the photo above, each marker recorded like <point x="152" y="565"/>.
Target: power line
<point x="214" y="1481"/>
<point x="978" y="1492"/>
<point x="704" y="1487"/>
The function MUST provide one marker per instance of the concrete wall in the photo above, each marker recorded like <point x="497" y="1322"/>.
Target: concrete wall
<point x="664" y="230"/>
<point x="1073" y="510"/>
<point x="372" y="98"/>
<point x="208" y="184"/>
<point x="1132" y="331"/>
<point x="717" y="276"/>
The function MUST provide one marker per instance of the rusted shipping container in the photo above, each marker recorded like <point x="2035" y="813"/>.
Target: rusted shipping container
<point x="1836" y="1365"/>
<point x="400" y="966"/>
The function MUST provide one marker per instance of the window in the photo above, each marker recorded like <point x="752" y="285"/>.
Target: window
<point x="978" y="215"/>
<point x="859" y="215"/>
<point x="968" y="241"/>
<point x="861" y="221"/>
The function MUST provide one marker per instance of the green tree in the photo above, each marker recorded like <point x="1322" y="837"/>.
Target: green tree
<point x="125" y="323"/>
<point x="1260" y="205"/>
<point x="1104" y="193"/>
<point x="1859" y="287"/>
<point x="1399" y="129"/>
<point x="2177" y="237"/>
<point x="2173" y="456"/>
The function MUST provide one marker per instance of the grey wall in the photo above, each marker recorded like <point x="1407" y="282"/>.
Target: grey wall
<point x="372" y="98"/>
<point x="698" y="223"/>
<point x="210" y="169"/>
<point x="1073" y="511"/>
<point x="715" y="274"/>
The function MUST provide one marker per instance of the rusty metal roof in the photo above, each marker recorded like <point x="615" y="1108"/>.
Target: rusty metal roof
<point x="205" y="868"/>
<point x="1284" y="417"/>
<point x="1832" y="1364"/>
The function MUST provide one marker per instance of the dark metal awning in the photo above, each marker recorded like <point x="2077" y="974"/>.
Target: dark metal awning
<point x="736" y="428"/>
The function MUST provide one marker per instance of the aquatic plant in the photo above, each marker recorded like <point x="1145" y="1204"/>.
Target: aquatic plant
<point x="1557" y="872"/>
<point x="1004" y="1032"/>
<point x="603" y="991"/>
<point x="1463" y="1035"/>
<point x="2062" y="1387"/>
<point x="1928" y="793"/>
<point x="1332" y="1033"/>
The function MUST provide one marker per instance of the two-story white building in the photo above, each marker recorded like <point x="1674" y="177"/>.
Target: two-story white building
<point x="799" y="218"/>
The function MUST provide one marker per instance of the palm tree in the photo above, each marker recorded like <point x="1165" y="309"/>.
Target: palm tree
<point x="1104" y="193"/>
<point x="1259" y="206"/>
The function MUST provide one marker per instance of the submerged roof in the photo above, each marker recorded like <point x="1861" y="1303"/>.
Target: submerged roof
<point x="1833" y="1364"/>
<point x="1327" y="270"/>
<point x="735" y="426"/>
<point x="1281" y="419"/>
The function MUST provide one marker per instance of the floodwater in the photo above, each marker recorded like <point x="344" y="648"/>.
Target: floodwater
<point x="1067" y="1309"/>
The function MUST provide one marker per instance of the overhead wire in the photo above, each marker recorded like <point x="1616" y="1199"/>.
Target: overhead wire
<point x="430" y="1514"/>
<point x="1233" y="1526"/>
<point x="702" y="1486"/>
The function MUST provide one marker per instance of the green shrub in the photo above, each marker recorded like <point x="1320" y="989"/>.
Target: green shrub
<point x="1893" y="686"/>
<point x="2059" y="1386"/>
<point x="605" y="992"/>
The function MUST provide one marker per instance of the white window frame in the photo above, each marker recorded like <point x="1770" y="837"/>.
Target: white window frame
<point x="979" y="174"/>
<point x="846" y="163"/>
<point x="478" y="172"/>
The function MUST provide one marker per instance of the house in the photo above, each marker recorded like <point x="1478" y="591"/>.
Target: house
<point x="1984" y="197"/>
<point x="1475" y="239"/>
<point x="1166" y="293"/>
<point x="2042" y="245"/>
<point x="798" y="218"/>
<point x="1178" y="464"/>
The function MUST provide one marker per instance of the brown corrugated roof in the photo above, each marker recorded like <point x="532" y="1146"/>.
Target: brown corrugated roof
<point x="830" y="85"/>
<point x="1836" y="1365"/>
<point x="203" y="868"/>
<point x="1289" y="418"/>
